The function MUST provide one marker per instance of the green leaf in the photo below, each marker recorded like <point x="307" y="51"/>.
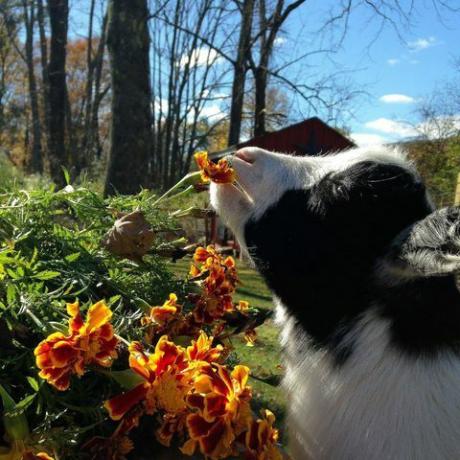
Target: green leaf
<point x="10" y="293"/>
<point x="22" y="405"/>
<point x="126" y="379"/>
<point x="72" y="257"/>
<point x="54" y="326"/>
<point x="4" y="259"/>
<point x="12" y="274"/>
<point x="46" y="275"/>
<point x="16" y="425"/>
<point x="33" y="383"/>
<point x="66" y="175"/>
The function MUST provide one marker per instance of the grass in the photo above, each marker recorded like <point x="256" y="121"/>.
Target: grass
<point x="264" y="359"/>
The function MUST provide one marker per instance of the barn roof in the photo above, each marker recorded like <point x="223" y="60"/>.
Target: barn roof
<point x="309" y="137"/>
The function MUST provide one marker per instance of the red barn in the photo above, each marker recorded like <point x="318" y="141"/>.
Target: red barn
<point x="309" y="137"/>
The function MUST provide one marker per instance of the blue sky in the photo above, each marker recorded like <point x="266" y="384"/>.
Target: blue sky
<point x="398" y="72"/>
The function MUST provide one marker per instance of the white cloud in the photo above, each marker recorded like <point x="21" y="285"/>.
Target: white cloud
<point x="279" y="41"/>
<point x="212" y="112"/>
<point x="365" y="139"/>
<point x="440" y="127"/>
<point x="160" y="106"/>
<point x="199" y="57"/>
<point x="422" y="43"/>
<point x="397" y="99"/>
<point x="393" y="61"/>
<point x="395" y="128"/>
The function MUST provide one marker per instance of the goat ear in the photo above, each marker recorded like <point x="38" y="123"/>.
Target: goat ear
<point x="430" y="247"/>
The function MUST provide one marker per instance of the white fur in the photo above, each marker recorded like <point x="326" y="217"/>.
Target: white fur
<point x="379" y="404"/>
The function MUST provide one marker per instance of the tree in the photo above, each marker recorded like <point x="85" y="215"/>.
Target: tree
<point x="35" y="163"/>
<point x="187" y="74"/>
<point x="239" y="72"/>
<point x="130" y="138"/>
<point x="437" y="151"/>
<point x="269" y="27"/>
<point x="58" y="13"/>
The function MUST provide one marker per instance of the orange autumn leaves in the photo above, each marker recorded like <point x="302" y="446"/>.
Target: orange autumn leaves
<point x="88" y="342"/>
<point x="220" y="172"/>
<point x="198" y="401"/>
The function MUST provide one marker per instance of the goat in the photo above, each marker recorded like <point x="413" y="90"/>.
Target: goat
<point x="362" y="271"/>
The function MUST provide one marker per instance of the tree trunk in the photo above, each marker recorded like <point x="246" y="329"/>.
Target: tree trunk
<point x="58" y="13"/>
<point x="236" y="109"/>
<point x="44" y="63"/>
<point x="130" y="137"/>
<point x="260" y="83"/>
<point x="269" y="28"/>
<point x="94" y="147"/>
<point x="35" y="162"/>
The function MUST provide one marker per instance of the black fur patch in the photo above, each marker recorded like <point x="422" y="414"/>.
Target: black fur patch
<point x="317" y="248"/>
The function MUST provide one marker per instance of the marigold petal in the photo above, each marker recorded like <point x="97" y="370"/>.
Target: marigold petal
<point x="214" y="406"/>
<point x="197" y="426"/>
<point x="241" y="375"/>
<point x="195" y="401"/>
<point x="119" y="405"/>
<point x="217" y="443"/>
<point x="76" y="321"/>
<point x="98" y="314"/>
<point x="189" y="447"/>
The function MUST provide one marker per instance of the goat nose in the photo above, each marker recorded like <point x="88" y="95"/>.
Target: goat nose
<point x="246" y="155"/>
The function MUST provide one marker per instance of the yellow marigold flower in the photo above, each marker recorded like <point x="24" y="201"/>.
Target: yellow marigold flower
<point x="261" y="439"/>
<point x="220" y="172"/>
<point x="88" y="342"/>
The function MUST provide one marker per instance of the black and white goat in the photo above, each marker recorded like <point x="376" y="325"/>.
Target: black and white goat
<point x="362" y="270"/>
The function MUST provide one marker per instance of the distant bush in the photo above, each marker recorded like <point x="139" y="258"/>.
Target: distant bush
<point x="9" y="174"/>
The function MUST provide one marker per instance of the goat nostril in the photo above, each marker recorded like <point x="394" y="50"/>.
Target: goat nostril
<point x="242" y="155"/>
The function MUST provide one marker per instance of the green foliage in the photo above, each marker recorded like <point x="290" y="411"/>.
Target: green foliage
<point x="438" y="162"/>
<point x="9" y="174"/>
<point x="50" y="254"/>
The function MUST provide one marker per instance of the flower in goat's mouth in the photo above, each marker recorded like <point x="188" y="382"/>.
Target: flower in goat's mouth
<point x="220" y="172"/>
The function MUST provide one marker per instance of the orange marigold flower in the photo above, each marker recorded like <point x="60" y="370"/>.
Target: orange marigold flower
<point x="172" y="424"/>
<point x="89" y="342"/>
<point x="220" y="172"/>
<point x="164" y="314"/>
<point x="242" y="306"/>
<point x="261" y="439"/>
<point x="250" y="336"/>
<point x="221" y="411"/>
<point x="202" y="349"/>
<point x="165" y="382"/>
<point x="201" y="254"/>
<point x="218" y="286"/>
